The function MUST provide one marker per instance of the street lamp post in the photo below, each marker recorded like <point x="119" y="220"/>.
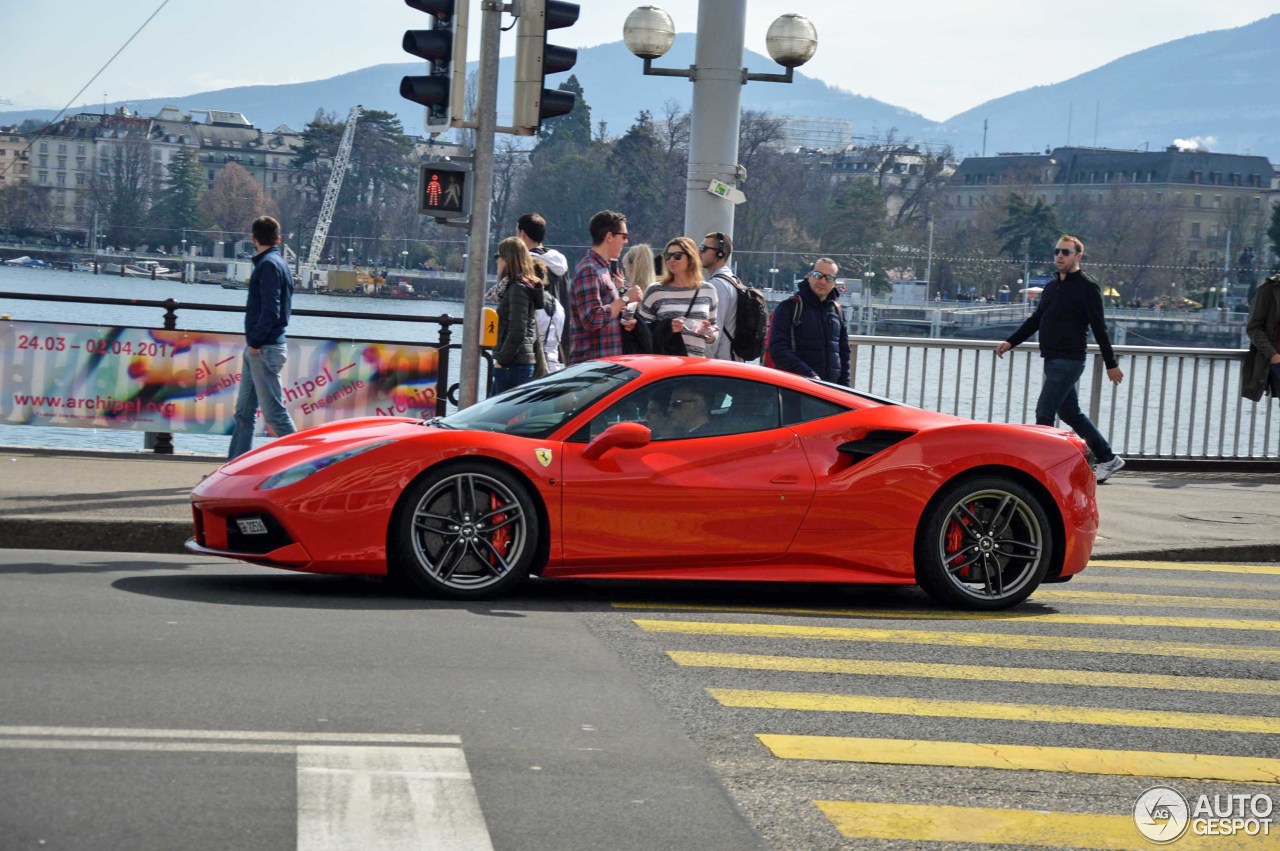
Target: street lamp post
<point x="718" y="76"/>
<point x="404" y="260"/>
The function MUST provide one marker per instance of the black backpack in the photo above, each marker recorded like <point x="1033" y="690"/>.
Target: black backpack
<point x="747" y="341"/>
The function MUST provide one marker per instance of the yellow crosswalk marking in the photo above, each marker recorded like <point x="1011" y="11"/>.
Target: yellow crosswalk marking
<point x="1037" y="713"/>
<point x="964" y="639"/>
<point x="990" y="826"/>
<point x="1251" y="569"/>
<point x="1183" y="766"/>
<point x="975" y="673"/>
<point x="1014" y="616"/>
<point x="1091" y="578"/>
<point x="1196" y="601"/>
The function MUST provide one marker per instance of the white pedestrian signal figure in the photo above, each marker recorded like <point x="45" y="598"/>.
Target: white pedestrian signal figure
<point x="433" y="191"/>
<point x="452" y="196"/>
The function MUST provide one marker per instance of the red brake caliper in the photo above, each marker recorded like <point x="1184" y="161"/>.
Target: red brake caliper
<point x="501" y="539"/>
<point x="955" y="543"/>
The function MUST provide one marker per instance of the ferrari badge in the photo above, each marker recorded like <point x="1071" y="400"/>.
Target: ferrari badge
<point x="543" y="456"/>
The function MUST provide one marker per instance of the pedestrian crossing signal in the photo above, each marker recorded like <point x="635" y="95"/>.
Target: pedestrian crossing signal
<point x="444" y="190"/>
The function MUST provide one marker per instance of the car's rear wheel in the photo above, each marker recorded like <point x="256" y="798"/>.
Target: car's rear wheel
<point x="468" y="530"/>
<point x="984" y="543"/>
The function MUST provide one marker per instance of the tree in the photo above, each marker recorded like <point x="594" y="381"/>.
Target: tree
<point x="1030" y="228"/>
<point x="235" y="200"/>
<point x="25" y="209"/>
<point x="122" y="190"/>
<point x="574" y="127"/>
<point x="177" y="205"/>
<point x="855" y="219"/>
<point x="638" y="167"/>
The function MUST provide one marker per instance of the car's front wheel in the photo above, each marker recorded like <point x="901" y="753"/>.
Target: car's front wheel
<point x="468" y="530"/>
<point x="984" y="543"/>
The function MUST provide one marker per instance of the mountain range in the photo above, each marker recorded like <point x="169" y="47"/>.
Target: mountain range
<point x="1212" y="88"/>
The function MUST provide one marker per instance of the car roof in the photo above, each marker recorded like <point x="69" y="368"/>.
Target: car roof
<point x="655" y="366"/>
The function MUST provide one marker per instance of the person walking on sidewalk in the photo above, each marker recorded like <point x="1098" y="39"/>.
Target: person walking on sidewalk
<point x="1261" y="371"/>
<point x="1070" y="305"/>
<point x="266" y="316"/>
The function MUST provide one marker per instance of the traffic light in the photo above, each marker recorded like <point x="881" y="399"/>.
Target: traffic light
<point x="444" y="46"/>
<point x="444" y="190"/>
<point x="535" y="59"/>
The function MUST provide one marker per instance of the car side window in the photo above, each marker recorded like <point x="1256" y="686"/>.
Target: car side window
<point x="803" y="408"/>
<point x="691" y="407"/>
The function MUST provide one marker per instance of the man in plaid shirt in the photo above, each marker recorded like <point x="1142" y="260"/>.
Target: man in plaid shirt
<point x="596" y="297"/>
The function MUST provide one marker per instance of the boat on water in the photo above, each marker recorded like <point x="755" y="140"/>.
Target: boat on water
<point x="141" y="269"/>
<point x="28" y="262"/>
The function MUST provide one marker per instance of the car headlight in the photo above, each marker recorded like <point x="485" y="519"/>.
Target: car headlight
<point x="293" y="475"/>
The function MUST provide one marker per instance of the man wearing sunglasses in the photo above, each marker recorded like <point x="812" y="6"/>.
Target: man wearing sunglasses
<point x="1070" y="305"/>
<point x="597" y="294"/>
<point x="807" y="334"/>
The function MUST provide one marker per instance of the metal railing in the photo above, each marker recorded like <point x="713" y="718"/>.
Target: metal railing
<point x="1174" y="404"/>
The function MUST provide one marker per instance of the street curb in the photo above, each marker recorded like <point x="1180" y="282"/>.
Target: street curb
<point x="1228" y="553"/>
<point x="111" y="536"/>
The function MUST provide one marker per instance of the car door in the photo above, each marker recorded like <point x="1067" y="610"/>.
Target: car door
<point x="734" y="491"/>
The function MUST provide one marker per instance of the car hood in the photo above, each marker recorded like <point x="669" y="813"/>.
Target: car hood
<point x="329" y="439"/>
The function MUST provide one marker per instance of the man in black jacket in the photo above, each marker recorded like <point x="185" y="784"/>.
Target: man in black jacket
<point x="1070" y="305"/>
<point x="807" y="333"/>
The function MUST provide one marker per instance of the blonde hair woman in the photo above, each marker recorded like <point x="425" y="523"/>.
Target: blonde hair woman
<point x="638" y="266"/>
<point x="683" y="297"/>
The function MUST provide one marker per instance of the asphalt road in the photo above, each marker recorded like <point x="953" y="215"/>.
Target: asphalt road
<point x="170" y="702"/>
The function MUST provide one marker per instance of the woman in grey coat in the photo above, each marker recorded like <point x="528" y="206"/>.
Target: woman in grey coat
<point x="520" y="296"/>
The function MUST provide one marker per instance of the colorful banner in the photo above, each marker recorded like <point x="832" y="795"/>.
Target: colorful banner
<point x="187" y="381"/>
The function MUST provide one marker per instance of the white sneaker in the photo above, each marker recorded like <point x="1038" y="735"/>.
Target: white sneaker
<point x="1104" y="470"/>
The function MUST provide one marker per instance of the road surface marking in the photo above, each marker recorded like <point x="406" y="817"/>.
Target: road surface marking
<point x="991" y="826"/>
<point x="1251" y="569"/>
<point x="246" y="735"/>
<point x="1195" y="601"/>
<point x="965" y="639"/>
<point x="357" y="798"/>
<point x="1001" y="617"/>
<point x="972" y="709"/>
<point x="1090" y="579"/>
<point x="979" y="673"/>
<point x="1183" y="766"/>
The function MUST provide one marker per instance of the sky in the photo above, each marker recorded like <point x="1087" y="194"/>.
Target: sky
<point x="935" y="57"/>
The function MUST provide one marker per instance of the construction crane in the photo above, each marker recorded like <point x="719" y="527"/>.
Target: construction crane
<point x="340" y="161"/>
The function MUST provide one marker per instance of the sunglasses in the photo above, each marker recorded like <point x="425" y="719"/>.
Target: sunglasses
<point x="707" y="248"/>
<point x="675" y="403"/>
<point x="621" y="233"/>
<point x="1064" y="252"/>
<point x="675" y="255"/>
<point x="822" y="276"/>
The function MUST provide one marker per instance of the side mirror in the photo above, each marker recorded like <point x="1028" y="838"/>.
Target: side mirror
<point x="618" y="436"/>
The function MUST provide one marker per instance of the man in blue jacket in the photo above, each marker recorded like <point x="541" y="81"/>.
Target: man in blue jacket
<point x="265" y="318"/>
<point x="1070" y="307"/>
<point x="807" y="333"/>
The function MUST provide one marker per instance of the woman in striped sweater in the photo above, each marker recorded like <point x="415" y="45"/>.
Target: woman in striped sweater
<point x="683" y="297"/>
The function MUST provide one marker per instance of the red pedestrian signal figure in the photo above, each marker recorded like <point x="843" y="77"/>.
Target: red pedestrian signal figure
<point x="433" y="191"/>
<point x="443" y="190"/>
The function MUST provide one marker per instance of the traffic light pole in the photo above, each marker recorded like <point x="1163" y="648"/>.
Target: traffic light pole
<point x="482" y="201"/>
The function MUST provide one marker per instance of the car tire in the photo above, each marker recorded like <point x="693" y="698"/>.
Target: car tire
<point x="984" y="543"/>
<point x="466" y="531"/>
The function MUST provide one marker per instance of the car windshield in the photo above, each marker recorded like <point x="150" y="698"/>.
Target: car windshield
<point x="540" y="407"/>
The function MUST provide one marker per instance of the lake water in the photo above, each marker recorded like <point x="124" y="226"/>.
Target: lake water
<point x="55" y="282"/>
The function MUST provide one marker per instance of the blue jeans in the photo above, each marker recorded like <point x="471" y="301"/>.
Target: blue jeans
<point x="1058" y="398"/>
<point x="260" y="384"/>
<point x="506" y="377"/>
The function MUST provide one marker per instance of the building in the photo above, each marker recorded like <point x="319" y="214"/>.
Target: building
<point x="1206" y="195"/>
<point x="13" y="157"/>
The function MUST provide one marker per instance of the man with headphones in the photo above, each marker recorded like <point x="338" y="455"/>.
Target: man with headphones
<point x="715" y="250"/>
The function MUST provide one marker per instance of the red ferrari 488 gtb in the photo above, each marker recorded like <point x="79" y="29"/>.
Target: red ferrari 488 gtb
<point x="666" y="468"/>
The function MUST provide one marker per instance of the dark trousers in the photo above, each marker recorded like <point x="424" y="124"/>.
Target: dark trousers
<point x="1058" y="399"/>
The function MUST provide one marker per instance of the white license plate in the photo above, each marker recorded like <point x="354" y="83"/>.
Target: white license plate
<point x="251" y="526"/>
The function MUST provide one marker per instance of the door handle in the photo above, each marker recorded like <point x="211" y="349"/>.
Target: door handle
<point x="786" y="479"/>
